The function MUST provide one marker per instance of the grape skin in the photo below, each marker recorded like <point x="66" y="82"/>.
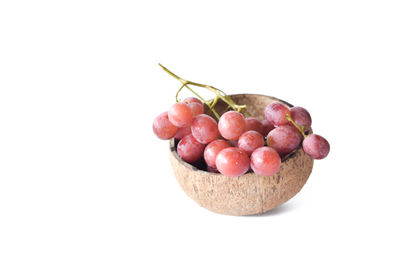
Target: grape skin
<point x="252" y="123"/>
<point x="182" y="132"/>
<point x="196" y="108"/>
<point x="301" y="117"/>
<point x="266" y="127"/>
<point x="284" y="139"/>
<point x="180" y="114"/>
<point x="163" y="128"/>
<point x="204" y="129"/>
<point x="316" y="146"/>
<point x="265" y="161"/>
<point x="191" y="99"/>
<point x="276" y="113"/>
<point x="189" y="149"/>
<point x="232" y="162"/>
<point x="212" y="149"/>
<point x="250" y="141"/>
<point x="231" y="125"/>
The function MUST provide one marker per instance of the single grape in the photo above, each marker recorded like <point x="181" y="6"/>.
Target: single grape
<point x="232" y="162"/>
<point x="231" y="125"/>
<point x="265" y="161"/>
<point x="276" y="113"/>
<point x="196" y="108"/>
<point x="250" y="141"/>
<point x="189" y="100"/>
<point x="180" y="114"/>
<point x="254" y="124"/>
<point x="163" y="128"/>
<point x="182" y="132"/>
<point x="284" y="139"/>
<point x="316" y="146"/>
<point x="204" y="129"/>
<point x="212" y="149"/>
<point x="301" y="117"/>
<point x="266" y="127"/>
<point x="189" y="149"/>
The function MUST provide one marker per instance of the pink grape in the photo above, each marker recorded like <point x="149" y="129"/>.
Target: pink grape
<point x="212" y="149"/>
<point x="180" y="114"/>
<point x="189" y="100"/>
<point x="276" y="113"/>
<point x="254" y="124"/>
<point x="232" y="162"/>
<point x="163" y="128"/>
<point x="204" y="129"/>
<point x="301" y="117"/>
<point x="182" y="132"/>
<point x="231" y="125"/>
<point x="189" y="149"/>
<point x="284" y="139"/>
<point x="265" y="161"/>
<point x="196" y="108"/>
<point x="250" y="141"/>
<point x="266" y="127"/>
<point x="316" y="146"/>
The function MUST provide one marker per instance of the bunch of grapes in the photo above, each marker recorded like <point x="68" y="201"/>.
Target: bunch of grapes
<point x="235" y="144"/>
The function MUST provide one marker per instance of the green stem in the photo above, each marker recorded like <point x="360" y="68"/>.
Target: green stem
<point x="204" y="101"/>
<point x="219" y="94"/>
<point x="296" y="125"/>
<point x="177" y="93"/>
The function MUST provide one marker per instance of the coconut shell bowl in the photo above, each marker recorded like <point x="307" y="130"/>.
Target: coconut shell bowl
<point x="250" y="193"/>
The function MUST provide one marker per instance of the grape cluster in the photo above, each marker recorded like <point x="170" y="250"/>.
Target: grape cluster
<point x="235" y="144"/>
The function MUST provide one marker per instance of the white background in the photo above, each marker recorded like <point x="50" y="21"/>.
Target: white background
<point x="84" y="182"/>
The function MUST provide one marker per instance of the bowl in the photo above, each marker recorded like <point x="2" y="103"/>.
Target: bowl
<point x="250" y="193"/>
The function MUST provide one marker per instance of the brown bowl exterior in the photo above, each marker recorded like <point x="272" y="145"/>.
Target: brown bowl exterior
<point x="250" y="193"/>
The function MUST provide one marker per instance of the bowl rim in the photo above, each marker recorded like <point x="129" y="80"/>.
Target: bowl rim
<point x="172" y="141"/>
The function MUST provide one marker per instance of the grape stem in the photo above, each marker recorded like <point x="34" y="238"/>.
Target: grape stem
<point x="219" y="94"/>
<point x="301" y="129"/>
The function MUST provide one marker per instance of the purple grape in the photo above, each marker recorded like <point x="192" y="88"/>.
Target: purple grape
<point x="316" y="146"/>
<point x="276" y="113"/>
<point x="301" y="117"/>
<point x="284" y="139"/>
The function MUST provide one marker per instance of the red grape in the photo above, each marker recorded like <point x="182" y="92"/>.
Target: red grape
<point x="204" y="129"/>
<point x="254" y="124"/>
<point x="180" y="114"/>
<point x="182" y="132"/>
<point x="276" y="113"/>
<point x="189" y="149"/>
<point x="196" y="108"/>
<point x="212" y="149"/>
<point x="301" y="117"/>
<point x="250" y="141"/>
<point x="316" y="146"/>
<point x="265" y="161"/>
<point x="231" y="125"/>
<point x="232" y="162"/>
<point x="266" y="127"/>
<point x="163" y="128"/>
<point x="284" y="139"/>
<point x="189" y="100"/>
